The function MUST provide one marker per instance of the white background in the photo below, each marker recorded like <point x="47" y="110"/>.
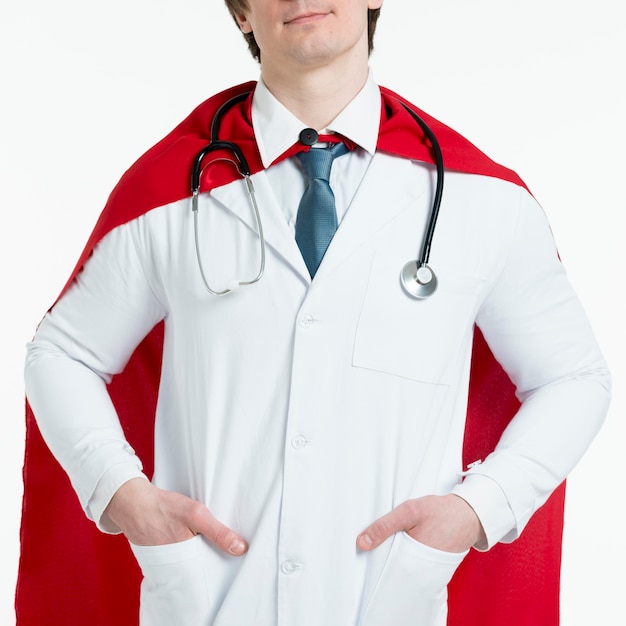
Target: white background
<point x="86" y="87"/>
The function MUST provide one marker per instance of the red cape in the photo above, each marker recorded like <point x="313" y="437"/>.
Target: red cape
<point x="71" y="574"/>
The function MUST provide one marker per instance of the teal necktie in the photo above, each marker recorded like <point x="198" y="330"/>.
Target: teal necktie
<point x="316" y="221"/>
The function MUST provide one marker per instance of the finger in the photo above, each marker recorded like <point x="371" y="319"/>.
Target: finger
<point x="204" y="523"/>
<point x="399" y="519"/>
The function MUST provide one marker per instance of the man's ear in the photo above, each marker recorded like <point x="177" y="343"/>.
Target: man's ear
<point x="244" y="24"/>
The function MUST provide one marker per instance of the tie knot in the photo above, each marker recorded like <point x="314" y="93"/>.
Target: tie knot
<point x="317" y="162"/>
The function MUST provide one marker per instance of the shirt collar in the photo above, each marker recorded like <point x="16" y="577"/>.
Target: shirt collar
<point x="276" y="129"/>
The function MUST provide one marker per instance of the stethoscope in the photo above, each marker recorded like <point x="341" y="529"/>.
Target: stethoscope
<point x="417" y="277"/>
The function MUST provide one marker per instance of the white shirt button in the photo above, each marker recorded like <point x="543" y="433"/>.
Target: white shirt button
<point x="299" y="442"/>
<point x="306" y="320"/>
<point x="289" y="566"/>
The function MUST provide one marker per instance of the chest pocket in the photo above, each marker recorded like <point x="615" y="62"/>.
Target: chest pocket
<point x="416" y="339"/>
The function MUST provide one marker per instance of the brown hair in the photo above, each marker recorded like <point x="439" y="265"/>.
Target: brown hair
<point x="238" y="7"/>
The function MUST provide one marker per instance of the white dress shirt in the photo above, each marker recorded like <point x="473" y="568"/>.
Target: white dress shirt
<point x="277" y="129"/>
<point x="299" y="411"/>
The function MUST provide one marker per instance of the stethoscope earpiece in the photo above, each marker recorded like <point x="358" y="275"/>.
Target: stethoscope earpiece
<point x="418" y="280"/>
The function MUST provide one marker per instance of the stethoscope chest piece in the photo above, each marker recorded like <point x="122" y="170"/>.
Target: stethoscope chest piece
<point x="418" y="280"/>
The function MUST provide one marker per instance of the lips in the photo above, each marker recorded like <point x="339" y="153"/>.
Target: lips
<point x="306" y="17"/>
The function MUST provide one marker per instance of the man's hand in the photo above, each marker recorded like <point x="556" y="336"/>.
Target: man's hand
<point x="150" y="516"/>
<point x="443" y="522"/>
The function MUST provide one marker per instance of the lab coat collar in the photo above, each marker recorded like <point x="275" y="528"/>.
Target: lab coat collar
<point x="233" y="198"/>
<point x="276" y="129"/>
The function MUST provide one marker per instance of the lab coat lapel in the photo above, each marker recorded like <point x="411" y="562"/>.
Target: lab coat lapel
<point x="278" y="236"/>
<point x="375" y="205"/>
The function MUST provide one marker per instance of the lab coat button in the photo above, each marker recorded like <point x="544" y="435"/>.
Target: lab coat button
<point x="299" y="442"/>
<point x="306" y="320"/>
<point x="289" y="567"/>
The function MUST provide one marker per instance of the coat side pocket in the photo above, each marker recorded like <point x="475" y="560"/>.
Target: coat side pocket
<point x="174" y="589"/>
<point x="412" y="589"/>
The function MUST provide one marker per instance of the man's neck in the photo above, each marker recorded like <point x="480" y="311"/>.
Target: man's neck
<point x="318" y="95"/>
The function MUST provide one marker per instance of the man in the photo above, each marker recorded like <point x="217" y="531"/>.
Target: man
<point x="309" y="428"/>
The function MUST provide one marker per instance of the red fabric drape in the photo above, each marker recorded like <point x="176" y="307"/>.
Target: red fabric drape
<point x="72" y="575"/>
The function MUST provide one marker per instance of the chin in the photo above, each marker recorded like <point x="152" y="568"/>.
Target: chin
<point x="318" y="52"/>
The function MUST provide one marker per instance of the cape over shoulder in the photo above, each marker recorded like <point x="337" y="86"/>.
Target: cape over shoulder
<point x="70" y="573"/>
<point x="162" y="174"/>
<point x="398" y="136"/>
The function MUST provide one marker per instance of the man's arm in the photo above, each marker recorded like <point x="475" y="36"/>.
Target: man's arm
<point x="535" y="325"/>
<point x="80" y="345"/>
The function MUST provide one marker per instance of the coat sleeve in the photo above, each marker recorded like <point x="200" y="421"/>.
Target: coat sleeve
<point x="85" y="340"/>
<point x="536" y="328"/>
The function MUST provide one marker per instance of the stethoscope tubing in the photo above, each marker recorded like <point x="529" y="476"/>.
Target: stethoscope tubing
<point x="434" y="213"/>
<point x="412" y="273"/>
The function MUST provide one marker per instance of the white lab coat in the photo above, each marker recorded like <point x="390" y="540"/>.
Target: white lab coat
<point x="301" y="411"/>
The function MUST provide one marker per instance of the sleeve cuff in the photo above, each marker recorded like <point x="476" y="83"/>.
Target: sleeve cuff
<point x="108" y="484"/>
<point x="491" y="506"/>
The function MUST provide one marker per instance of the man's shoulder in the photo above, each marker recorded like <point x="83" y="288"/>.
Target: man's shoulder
<point x="162" y="174"/>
